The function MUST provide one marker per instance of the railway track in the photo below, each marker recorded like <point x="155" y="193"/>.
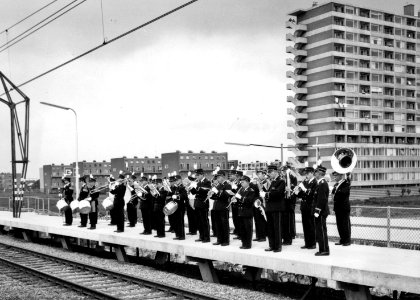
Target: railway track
<point x="94" y="282"/>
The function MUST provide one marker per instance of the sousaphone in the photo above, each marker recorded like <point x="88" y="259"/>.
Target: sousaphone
<point x="343" y="160"/>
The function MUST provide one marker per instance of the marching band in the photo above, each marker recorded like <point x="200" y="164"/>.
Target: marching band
<point x="269" y="200"/>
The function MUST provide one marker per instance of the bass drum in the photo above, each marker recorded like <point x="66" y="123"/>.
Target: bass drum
<point x="84" y="207"/>
<point x="108" y="203"/>
<point x="74" y="205"/>
<point x="61" y="205"/>
<point x="170" y="208"/>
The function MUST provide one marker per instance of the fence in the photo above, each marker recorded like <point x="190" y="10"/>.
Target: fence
<point x="382" y="226"/>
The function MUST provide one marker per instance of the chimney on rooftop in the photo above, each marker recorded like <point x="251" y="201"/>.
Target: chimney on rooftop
<point x="409" y="10"/>
<point x="315" y="3"/>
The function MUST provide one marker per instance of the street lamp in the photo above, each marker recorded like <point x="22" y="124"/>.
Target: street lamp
<point x="77" y="142"/>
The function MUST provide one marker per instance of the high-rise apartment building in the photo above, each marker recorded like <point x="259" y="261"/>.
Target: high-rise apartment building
<point x="356" y="73"/>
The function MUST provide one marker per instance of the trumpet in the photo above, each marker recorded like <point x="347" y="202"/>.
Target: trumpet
<point x="100" y="188"/>
<point x="153" y="190"/>
<point x="166" y="185"/>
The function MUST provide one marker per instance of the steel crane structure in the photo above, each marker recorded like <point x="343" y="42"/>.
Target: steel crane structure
<point x="22" y="137"/>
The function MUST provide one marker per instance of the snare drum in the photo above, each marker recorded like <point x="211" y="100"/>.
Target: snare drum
<point x="170" y="208"/>
<point x="61" y="204"/>
<point x="84" y="207"/>
<point x="108" y="203"/>
<point x="74" y="205"/>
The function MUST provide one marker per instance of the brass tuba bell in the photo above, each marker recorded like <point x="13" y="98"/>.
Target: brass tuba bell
<point x="343" y="160"/>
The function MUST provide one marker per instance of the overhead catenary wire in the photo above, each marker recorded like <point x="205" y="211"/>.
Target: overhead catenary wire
<point x="108" y="42"/>
<point x="22" y="36"/>
<point x="27" y="17"/>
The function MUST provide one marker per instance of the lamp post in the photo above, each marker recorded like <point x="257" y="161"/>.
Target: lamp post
<point x="76" y="176"/>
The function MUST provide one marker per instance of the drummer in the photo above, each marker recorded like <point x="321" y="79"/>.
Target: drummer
<point x="179" y="195"/>
<point x="94" y="195"/>
<point x="84" y="193"/>
<point x="67" y="192"/>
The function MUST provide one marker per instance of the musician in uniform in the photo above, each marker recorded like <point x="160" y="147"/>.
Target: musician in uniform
<point x="245" y="198"/>
<point x="321" y="212"/>
<point x="83" y="194"/>
<point x="260" y="222"/>
<point x="191" y="215"/>
<point x="179" y="195"/>
<point x="275" y="205"/>
<point x="119" y="191"/>
<point x="236" y="184"/>
<point x="288" y="215"/>
<point x="94" y="195"/>
<point x="341" y="195"/>
<point x="132" y="204"/>
<point x="306" y="192"/>
<point x="158" y="205"/>
<point x="146" y="207"/>
<point x="111" y="181"/>
<point x="201" y="205"/>
<point x="221" y="195"/>
<point x="67" y="192"/>
<point x="214" y="183"/>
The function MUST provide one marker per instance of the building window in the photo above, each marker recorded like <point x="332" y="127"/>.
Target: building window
<point x="181" y="157"/>
<point x="166" y="166"/>
<point x="187" y="157"/>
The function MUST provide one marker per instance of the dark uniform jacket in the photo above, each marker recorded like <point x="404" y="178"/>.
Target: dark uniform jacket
<point x="134" y="200"/>
<point x="119" y="192"/>
<point x="222" y="198"/>
<point x="321" y="198"/>
<point x="275" y="200"/>
<point x="181" y="195"/>
<point x="160" y="200"/>
<point x="67" y="192"/>
<point x="246" y="203"/>
<point x="341" y="195"/>
<point x="308" y="196"/>
<point x="84" y="192"/>
<point x="203" y="188"/>
<point x="147" y="199"/>
<point x="94" y="195"/>
<point x="291" y="201"/>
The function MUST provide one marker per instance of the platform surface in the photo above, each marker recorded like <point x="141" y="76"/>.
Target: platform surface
<point x="396" y="269"/>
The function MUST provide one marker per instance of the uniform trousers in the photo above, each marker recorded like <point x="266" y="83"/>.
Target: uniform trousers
<point x="246" y="229"/>
<point x="112" y="215"/>
<point x="93" y="215"/>
<point x="119" y="218"/>
<point x="146" y="214"/>
<point x="68" y="215"/>
<point x="274" y="230"/>
<point x="132" y="213"/>
<point x="159" y="218"/>
<point x="192" y="220"/>
<point x="286" y="226"/>
<point x="308" y="224"/>
<point x="343" y="226"/>
<point x="221" y="220"/>
<point x="235" y="219"/>
<point x="178" y="222"/>
<point x="203" y="223"/>
<point x="83" y="219"/>
<point x="260" y="225"/>
<point x="213" y="222"/>
<point x="321" y="233"/>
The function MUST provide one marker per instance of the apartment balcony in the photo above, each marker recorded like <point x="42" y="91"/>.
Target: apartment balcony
<point x="297" y="140"/>
<point x="296" y="39"/>
<point x="296" y="115"/>
<point x="296" y="102"/>
<point x="299" y="153"/>
<point x="296" y="52"/>
<point x="296" y="27"/>
<point x="296" y="127"/>
<point x="296" y="90"/>
<point x="296" y="65"/>
<point x="295" y="163"/>
<point x="291" y="74"/>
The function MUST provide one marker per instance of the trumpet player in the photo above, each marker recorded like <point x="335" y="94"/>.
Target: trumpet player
<point x="245" y="198"/>
<point x="146" y="206"/>
<point x="191" y="215"/>
<point x="67" y="192"/>
<point x="83" y="194"/>
<point x="260" y="222"/>
<point x="288" y="215"/>
<point x="132" y="204"/>
<point x="111" y="186"/>
<point x="236" y="184"/>
<point x="158" y="205"/>
<point x="119" y="191"/>
<point x="275" y="205"/>
<point x="179" y="195"/>
<point x="94" y="195"/>
<point x="306" y="191"/>
<point x="201" y="206"/>
<point x="221" y="195"/>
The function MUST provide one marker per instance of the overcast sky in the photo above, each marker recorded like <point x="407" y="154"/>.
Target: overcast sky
<point x="211" y="73"/>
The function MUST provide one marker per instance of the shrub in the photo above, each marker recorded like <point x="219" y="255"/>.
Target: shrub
<point x="408" y="192"/>
<point x="388" y="192"/>
<point x="403" y="190"/>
